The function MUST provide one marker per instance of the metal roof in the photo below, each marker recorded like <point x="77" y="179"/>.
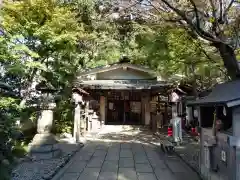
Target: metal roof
<point x="222" y="94"/>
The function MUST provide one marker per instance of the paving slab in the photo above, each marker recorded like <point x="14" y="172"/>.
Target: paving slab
<point x="126" y="153"/>
<point x="90" y="174"/>
<point x="70" y="176"/>
<point x="113" y="150"/>
<point x="141" y="159"/>
<point x="143" y="168"/>
<point x="110" y="166"/>
<point x="165" y="174"/>
<point x="127" y="174"/>
<point x="112" y="157"/>
<point x="107" y="176"/>
<point x="103" y="146"/>
<point x="77" y="166"/>
<point x="100" y="152"/>
<point x="157" y="163"/>
<point x="84" y="157"/>
<point x="184" y="176"/>
<point x="146" y="176"/>
<point x="177" y="167"/>
<point x="126" y="146"/>
<point x="95" y="162"/>
<point x="126" y="162"/>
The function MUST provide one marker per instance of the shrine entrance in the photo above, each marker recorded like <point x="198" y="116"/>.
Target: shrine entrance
<point x="123" y="107"/>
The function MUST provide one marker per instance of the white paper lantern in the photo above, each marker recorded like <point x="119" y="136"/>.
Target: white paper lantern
<point x="224" y="111"/>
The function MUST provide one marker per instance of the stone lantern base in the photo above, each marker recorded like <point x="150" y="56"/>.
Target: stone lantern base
<point x="44" y="146"/>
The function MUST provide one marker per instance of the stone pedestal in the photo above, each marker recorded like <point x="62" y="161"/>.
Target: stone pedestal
<point x="96" y="124"/>
<point x="44" y="145"/>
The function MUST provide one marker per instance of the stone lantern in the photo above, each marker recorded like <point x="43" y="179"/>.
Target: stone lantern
<point x="44" y="144"/>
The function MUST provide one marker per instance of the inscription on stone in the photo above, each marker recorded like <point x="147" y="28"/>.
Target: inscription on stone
<point x="223" y="156"/>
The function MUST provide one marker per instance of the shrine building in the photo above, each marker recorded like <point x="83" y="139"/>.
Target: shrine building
<point x="125" y="93"/>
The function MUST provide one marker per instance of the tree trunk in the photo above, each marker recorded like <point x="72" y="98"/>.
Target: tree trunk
<point x="229" y="59"/>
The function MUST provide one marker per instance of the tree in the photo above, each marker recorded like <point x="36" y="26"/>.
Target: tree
<point x="39" y="32"/>
<point x="214" y="21"/>
<point x="173" y="51"/>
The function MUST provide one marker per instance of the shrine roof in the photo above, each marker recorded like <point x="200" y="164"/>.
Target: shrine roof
<point x="222" y="94"/>
<point x="117" y="65"/>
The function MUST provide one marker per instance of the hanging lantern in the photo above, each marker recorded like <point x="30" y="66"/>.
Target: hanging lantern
<point x="195" y="113"/>
<point x="224" y="111"/>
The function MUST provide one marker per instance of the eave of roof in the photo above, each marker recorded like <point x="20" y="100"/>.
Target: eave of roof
<point x="124" y="84"/>
<point x="80" y="90"/>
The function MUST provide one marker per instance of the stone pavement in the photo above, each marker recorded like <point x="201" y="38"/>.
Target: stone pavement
<point x="188" y="150"/>
<point x="124" y="153"/>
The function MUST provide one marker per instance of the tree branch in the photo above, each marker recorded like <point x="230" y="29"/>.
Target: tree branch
<point x="203" y="34"/>
<point x="220" y="12"/>
<point x="196" y="13"/>
<point x="227" y="9"/>
<point x="214" y="15"/>
<point x="212" y="60"/>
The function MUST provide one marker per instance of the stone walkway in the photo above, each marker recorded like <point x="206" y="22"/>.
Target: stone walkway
<point x="124" y="153"/>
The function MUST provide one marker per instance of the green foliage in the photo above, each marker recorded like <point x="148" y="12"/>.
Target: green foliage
<point x="9" y="111"/>
<point x="173" y="51"/>
<point x="64" y="116"/>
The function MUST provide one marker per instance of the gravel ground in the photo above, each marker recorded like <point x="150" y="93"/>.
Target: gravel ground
<point x="44" y="169"/>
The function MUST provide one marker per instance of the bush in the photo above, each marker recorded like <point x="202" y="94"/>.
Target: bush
<point x="11" y="145"/>
<point x="63" y="117"/>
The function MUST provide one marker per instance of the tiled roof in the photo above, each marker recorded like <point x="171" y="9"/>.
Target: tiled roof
<point x="226" y="93"/>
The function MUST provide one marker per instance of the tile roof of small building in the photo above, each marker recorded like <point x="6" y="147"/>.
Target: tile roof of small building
<point x="227" y="93"/>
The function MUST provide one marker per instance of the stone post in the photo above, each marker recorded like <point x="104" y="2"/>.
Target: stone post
<point x="102" y="110"/>
<point x="77" y="116"/>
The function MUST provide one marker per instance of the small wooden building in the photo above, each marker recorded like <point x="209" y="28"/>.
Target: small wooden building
<point x="124" y="92"/>
<point x="219" y="117"/>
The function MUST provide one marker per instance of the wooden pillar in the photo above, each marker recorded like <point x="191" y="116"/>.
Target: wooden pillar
<point x="102" y="109"/>
<point x="86" y="116"/>
<point x="147" y="110"/>
<point x="143" y="109"/>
